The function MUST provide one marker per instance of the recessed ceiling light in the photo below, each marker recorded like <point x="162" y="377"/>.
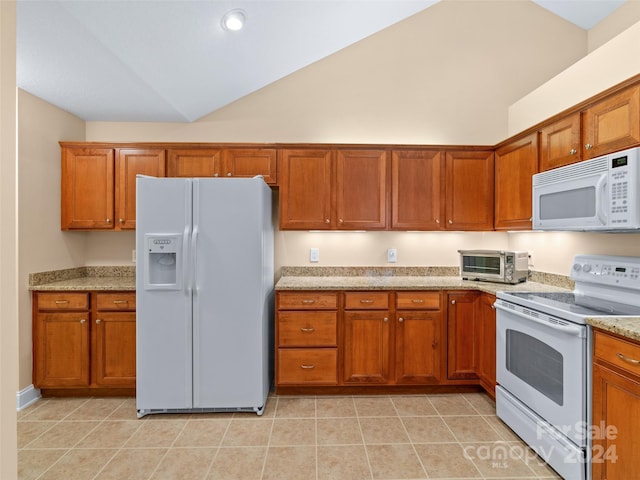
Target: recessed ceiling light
<point x="234" y="19"/>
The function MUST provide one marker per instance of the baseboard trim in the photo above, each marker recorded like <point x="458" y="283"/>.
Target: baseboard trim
<point x="26" y="397"/>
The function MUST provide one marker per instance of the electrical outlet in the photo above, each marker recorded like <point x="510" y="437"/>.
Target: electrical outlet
<point x="392" y="255"/>
<point x="314" y="255"/>
<point x="133" y="255"/>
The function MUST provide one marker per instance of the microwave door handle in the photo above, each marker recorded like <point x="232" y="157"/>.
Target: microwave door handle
<point x="601" y="199"/>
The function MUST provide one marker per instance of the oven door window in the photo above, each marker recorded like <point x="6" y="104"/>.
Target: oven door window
<point x="535" y="363"/>
<point x="481" y="264"/>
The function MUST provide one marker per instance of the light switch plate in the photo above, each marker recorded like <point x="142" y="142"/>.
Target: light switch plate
<point x="314" y="255"/>
<point x="392" y="255"/>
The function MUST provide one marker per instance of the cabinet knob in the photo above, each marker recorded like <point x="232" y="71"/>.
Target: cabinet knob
<point x="108" y="220"/>
<point x="573" y="151"/>
<point x="385" y="319"/>
<point x="98" y="321"/>
<point x="121" y="220"/>
<point x="493" y="307"/>
<point x="588" y="146"/>
<point x="453" y="302"/>
<point x="401" y="319"/>
<point x="437" y="220"/>
<point x="341" y="221"/>
<point x="450" y="222"/>
<point x="327" y="221"/>
<point x="216" y="175"/>
<point x="228" y="174"/>
<point x="83" y="320"/>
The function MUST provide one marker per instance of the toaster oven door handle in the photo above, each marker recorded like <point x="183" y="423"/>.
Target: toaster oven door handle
<point x="567" y="329"/>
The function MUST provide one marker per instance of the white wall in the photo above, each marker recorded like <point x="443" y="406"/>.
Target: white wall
<point x="610" y="64"/>
<point x="8" y="243"/>
<point x="43" y="246"/>
<point x="621" y="19"/>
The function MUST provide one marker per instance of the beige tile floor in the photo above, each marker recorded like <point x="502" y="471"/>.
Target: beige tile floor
<point x="383" y="437"/>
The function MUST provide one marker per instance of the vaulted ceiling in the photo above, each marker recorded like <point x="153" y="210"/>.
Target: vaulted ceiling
<point x="171" y="60"/>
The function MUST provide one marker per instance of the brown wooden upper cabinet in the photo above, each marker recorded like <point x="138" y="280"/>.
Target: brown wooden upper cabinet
<point x="324" y="189"/>
<point x="560" y="143"/>
<point x="417" y="183"/>
<point x="228" y="162"/>
<point x="98" y="185"/>
<point x="516" y="163"/>
<point x="469" y="190"/>
<point x="612" y="124"/>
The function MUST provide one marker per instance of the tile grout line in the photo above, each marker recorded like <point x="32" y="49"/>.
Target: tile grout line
<point x="413" y="447"/>
<point x="364" y="443"/>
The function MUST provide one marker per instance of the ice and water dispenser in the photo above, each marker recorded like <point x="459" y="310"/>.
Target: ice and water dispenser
<point x="163" y="259"/>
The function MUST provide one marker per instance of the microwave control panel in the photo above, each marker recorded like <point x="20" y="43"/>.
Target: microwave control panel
<point x="622" y="195"/>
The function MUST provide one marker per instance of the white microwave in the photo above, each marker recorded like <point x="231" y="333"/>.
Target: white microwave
<point x="597" y="194"/>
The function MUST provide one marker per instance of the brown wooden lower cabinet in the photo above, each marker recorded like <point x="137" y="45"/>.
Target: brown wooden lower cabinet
<point x="462" y="331"/>
<point x="84" y="340"/>
<point x="616" y="408"/>
<point x="355" y="340"/>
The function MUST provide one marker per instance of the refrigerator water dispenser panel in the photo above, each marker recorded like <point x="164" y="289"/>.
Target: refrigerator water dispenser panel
<point x="163" y="262"/>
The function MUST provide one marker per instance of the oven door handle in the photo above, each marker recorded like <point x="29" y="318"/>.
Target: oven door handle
<point x="568" y="329"/>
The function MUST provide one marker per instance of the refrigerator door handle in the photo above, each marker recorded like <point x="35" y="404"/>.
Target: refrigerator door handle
<point x="186" y="263"/>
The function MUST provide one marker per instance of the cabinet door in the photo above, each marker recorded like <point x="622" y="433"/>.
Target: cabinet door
<point x="515" y="165"/>
<point x="616" y="416"/>
<point x="462" y="353"/>
<point x="129" y="163"/>
<point x="114" y="357"/>
<point x="87" y="188"/>
<point x="305" y="189"/>
<point x="61" y="350"/>
<point x="560" y="143"/>
<point x="417" y="347"/>
<point x="417" y="189"/>
<point x="612" y="124"/>
<point x="366" y="347"/>
<point x="194" y="162"/>
<point x="361" y="189"/>
<point x="486" y="337"/>
<point x="469" y="190"/>
<point x="249" y="162"/>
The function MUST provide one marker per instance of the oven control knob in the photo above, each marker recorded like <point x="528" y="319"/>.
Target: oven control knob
<point x="577" y="267"/>
<point x="586" y="268"/>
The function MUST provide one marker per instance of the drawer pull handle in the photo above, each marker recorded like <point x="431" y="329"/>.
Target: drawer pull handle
<point x="307" y="329"/>
<point x="308" y="301"/>
<point x="366" y="300"/>
<point x="417" y="300"/>
<point x="61" y="302"/>
<point x="118" y="302"/>
<point x="307" y="367"/>
<point x="629" y="360"/>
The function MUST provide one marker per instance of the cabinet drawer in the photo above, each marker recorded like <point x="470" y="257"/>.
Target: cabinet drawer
<point x="116" y="301"/>
<point x="418" y="300"/>
<point x="366" y="300"/>
<point x="307" y="329"/>
<point x="63" y="301"/>
<point x="307" y="366"/>
<point x="307" y="300"/>
<point x="621" y="353"/>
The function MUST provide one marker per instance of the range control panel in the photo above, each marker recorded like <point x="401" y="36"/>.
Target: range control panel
<point x="607" y="270"/>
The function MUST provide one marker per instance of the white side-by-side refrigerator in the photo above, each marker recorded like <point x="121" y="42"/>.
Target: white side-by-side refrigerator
<point x="204" y="294"/>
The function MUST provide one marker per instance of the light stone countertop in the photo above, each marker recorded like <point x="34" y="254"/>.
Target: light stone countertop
<point x="372" y="282"/>
<point x="628" y="327"/>
<point x="84" y="279"/>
